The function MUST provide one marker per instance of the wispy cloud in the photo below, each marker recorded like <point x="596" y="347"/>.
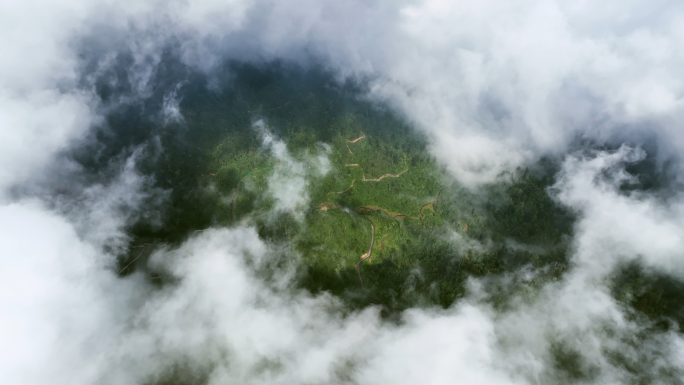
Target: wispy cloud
<point x="494" y="84"/>
<point x="289" y="184"/>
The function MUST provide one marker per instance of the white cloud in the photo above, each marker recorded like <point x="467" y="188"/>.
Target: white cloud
<point x="35" y="128"/>
<point x="171" y="107"/>
<point x="617" y="227"/>
<point x="289" y="183"/>
<point x="221" y="316"/>
<point x="437" y="349"/>
<point x="495" y="84"/>
<point x="62" y="311"/>
<point x="498" y="84"/>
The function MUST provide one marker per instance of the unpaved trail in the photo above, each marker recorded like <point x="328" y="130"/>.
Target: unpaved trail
<point x="388" y="213"/>
<point x="325" y="205"/>
<point x="368" y="180"/>
<point x="358" y="271"/>
<point x="402" y="216"/>
<point x="354" y="141"/>
<point x="384" y="176"/>
<point x="367" y="255"/>
<point x="431" y="203"/>
<point x="340" y="192"/>
<point x="328" y="205"/>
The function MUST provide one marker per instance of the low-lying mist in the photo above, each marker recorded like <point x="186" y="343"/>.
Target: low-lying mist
<point x="188" y="193"/>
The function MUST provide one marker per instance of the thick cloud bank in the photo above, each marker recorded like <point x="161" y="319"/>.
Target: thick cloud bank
<point x="494" y="84"/>
<point x="242" y="330"/>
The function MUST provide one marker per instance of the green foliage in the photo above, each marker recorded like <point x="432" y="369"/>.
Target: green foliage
<point x="525" y="212"/>
<point x="217" y="173"/>
<point x="571" y="365"/>
<point x="654" y="295"/>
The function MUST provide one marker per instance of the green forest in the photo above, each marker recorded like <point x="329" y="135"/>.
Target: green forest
<point x="431" y="233"/>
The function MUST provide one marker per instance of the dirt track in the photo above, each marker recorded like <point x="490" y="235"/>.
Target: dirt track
<point x="384" y="176"/>
<point x="340" y="192"/>
<point x="367" y="255"/>
<point x="354" y="141"/>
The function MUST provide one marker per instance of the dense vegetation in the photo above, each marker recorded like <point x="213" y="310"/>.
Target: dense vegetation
<point x="432" y="234"/>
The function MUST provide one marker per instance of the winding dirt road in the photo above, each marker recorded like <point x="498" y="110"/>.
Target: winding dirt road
<point x="358" y="271"/>
<point x="367" y="255"/>
<point x="383" y="177"/>
<point x="328" y="205"/>
<point x="354" y="141"/>
<point x="344" y="191"/>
